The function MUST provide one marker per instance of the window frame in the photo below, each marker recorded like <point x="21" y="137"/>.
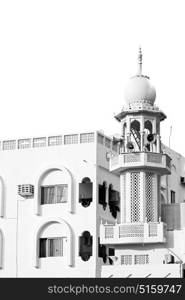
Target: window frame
<point x="55" y="196"/>
<point x="48" y="249"/>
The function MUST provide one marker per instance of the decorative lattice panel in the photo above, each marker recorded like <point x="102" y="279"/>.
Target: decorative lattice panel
<point x="39" y="142"/>
<point x="141" y="259"/>
<point x="126" y="259"/>
<point x="71" y="139"/>
<point x="24" y="143"/>
<point x="129" y="158"/>
<point x="109" y="232"/>
<point x="87" y="137"/>
<point x="150" y="197"/>
<point x="54" y="140"/>
<point x="9" y="145"/>
<point x="154" y="158"/>
<point x="124" y="197"/>
<point x="153" y="229"/>
<point x="135" y="197"/>
<point x="131" y="230"/>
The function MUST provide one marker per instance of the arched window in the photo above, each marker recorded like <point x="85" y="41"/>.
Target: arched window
<point x="85" y="192"/>
<point x="54" y="185"/>
<point x="54" y="188"/>
<point x="135" y="125"/>
<point x="148" y="126"/>
<point x="135" y="131"/>
<point x="148" y="130"/>
<point x="54" y="239"/>
<point x="86" y="242"/>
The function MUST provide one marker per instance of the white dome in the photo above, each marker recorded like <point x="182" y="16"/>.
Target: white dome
<point x="139" y="89"/>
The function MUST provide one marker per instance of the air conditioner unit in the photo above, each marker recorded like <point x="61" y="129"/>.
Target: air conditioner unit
<point x="26" y="190"/>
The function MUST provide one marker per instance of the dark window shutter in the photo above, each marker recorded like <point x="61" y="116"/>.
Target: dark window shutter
<point x="42" y="194"/>
<point x="42" y="249"/>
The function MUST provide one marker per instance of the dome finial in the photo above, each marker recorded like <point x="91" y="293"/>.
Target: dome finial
<point x="140" y="56"/>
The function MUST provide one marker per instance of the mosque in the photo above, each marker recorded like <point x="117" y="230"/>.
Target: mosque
<point x="91" y="205"/>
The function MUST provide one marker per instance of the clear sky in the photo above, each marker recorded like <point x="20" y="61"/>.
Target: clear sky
<point x="64" y="64"/>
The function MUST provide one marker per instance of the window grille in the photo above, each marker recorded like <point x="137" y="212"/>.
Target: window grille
<point x="126" y="259"/>
<point x="55" y="140"/>
<point x="87" y="137"/>
<point x="24" y="143"/>
<point x="39" y="142"/>
<point x="109" y="232"/>
<point x="9" y="145"/>
<point x="141" y="259"/>
<point x="71" y="139"/>
<point x="135" y="196"/>
<point x="54" y="194"/>
<point x="50" y="247"/>
<point x="150" y="199"/>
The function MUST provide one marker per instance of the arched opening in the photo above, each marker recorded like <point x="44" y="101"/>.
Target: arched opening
<point x="148" y="126"/>
<point x="102" y="194"/>
<point x="86" y="243"/>
<point x="54" y="185"/>
<point x="53" y="239"/>
<point x="113" y="201"/>
<point x="54" y="188"/>
<point x="148" y="135"/>
<point x="85" y="192"/>
<point x="135" y="125"/>
<point x="135" y="131"/>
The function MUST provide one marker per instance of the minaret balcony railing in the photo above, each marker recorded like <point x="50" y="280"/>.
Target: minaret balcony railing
<point x="157" y="161"/>
<point x="133" y="233"/>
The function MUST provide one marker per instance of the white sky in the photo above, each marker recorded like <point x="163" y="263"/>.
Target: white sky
<point x="64" y="64"/>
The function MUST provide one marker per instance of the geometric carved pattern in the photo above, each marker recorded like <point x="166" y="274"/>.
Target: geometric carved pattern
<point x="135" y="196"/>
<point x="150" y="199"/>
<point x="141" y="259"/>
<point x="109" y="232"/>
<point x="131" y="230"/>
<point x="126" y="259"/>
<point x="155" y="158"/>
<point x="153" y="229"/>
<point x="129" y="158"/>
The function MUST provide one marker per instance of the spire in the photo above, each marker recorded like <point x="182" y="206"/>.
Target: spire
<point x="140" y="56"/>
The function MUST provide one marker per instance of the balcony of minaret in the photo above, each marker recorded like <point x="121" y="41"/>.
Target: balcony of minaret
<point x="158" y="162"/>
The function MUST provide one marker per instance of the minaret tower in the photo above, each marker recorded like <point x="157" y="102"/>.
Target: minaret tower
<point x="140" y="164"/>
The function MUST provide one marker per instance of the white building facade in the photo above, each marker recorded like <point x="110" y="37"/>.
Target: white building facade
<point x="88" y="205"/>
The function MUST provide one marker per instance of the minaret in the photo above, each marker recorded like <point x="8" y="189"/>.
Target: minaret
<point x="140" y="165"/>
